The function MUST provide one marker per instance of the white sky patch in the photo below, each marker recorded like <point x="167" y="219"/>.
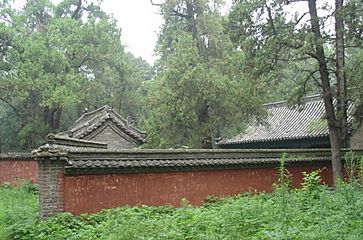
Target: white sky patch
<point x="324" y="9"/>
<point x="140" y="22"/>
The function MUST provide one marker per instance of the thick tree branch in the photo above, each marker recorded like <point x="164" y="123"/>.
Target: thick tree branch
<point x="312" y="75"/>
<point x="300" y="18"/>
<point x="10" y="105"/>
<point x="178" y="14"/>
<point x="76" y="13"/>
<point x="270" y="19"/>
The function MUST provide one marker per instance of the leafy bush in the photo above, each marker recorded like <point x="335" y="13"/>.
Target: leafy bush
<point x="313" y="212"/>
<point x="311" y="181"/>
<point x="18" y="208"/>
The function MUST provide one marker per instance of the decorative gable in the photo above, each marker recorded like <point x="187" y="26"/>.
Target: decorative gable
<point x="106" y="125"/>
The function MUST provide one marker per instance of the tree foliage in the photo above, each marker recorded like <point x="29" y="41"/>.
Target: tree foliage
<point x="277" y="39"/>
<point x="212" y="75"/>
<point x="58" y="58"/>
<point x="200" y="88"/>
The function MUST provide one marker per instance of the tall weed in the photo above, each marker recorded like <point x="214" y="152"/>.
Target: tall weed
<point x="313" y="212"/>
<point x="352" y="166"/>
<point x="18" y="208"/>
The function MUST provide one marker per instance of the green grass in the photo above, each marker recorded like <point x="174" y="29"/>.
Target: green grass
<point x="18" y="206"/>
<point x="313" y="212"/>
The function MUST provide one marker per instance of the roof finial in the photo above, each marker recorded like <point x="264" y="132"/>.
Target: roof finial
<point x="108" y="108"/>
<point x="51" y="138"/>
<point x="130" y="120"/>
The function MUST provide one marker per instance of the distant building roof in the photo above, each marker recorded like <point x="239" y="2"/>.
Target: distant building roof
<point x="287" y="123"/>
<point x="104" y="125"/>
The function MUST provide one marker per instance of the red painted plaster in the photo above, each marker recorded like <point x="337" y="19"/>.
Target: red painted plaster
<point x="91" y="193"/>
<point x="14" y="171"/>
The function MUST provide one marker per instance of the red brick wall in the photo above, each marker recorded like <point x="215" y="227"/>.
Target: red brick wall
<point x="13" y="171"/>
<point x="51" y="186"/>
<point x="91" y="193"/>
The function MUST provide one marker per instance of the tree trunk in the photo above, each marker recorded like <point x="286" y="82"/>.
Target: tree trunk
<point x="327" y="95"/>
<point x="191" y="21"/>
<point x="52" y="118"/>
<point x="340" y="74"/>
<point x="206" y="139"/>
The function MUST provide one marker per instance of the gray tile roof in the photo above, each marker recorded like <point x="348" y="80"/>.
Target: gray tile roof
<point x="73" y="143"/>
<point x="286" y="123"/>
<point x="83" y="160"/>
<point x="16" y="156"/>
<point x="187" y="163"/>
<point x="146" y="160"/>
<point x="90" y="121"/>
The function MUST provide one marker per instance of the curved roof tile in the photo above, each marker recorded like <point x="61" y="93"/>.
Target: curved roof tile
<point x="287" y="123"/>
<point x="91" y="121"/>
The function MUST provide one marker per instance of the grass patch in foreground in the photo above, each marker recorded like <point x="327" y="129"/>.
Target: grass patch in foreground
<point x="19" y="207"/>
<point x="313" y="212"/>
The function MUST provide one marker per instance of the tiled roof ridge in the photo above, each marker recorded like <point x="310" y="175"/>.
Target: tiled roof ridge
<point x="175" y="164"/>
<point x="70" y="141"/>
<point x="125" y="121"/>
<point x="90" y="128"/>
<point x="101" y="115"/>
<point x="139" y="135"/>
<point x="16" y="156"/>
<point x="87" y="114"/>
<point x="181" y="159"/>
<point x="102" y="120"/>
<point x="177" y="151"/>
<point x="307" y="99"/>
<point x="286" y="123"/>
<point x="93" y="126"/>
<point x="275" y="139"/>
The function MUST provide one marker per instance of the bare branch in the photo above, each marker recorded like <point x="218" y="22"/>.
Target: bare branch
<point x="176" y="13"/>
<point x="10" y="105"/>
<point x="353" y="46"/>
<point x="155" y="4"/>
<point x="270" y="19"/>
<point x="311" y="75"/>
<point x="295" y="1"/>
<point x="301" y="17"/>
<point x="293" y="59"/>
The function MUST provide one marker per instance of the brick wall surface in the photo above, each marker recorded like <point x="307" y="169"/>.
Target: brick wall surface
<point x="15" y="171"/>
<point x="51" y="187"/>
<point x="91" y="193"/>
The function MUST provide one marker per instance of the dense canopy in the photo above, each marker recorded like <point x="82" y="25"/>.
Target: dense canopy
<point x="213" y="72"/>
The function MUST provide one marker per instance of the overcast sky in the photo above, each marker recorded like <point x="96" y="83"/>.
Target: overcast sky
<point x="140" y="23"/>
<point x="139" y="20"/>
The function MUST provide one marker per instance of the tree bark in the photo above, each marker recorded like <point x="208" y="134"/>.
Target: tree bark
<point x="203" y="116"/>
<point x="327" y="95"/>
<point x="192" y="28"/>
<point x="340" y="73"/>
<point x="52" y="118"/>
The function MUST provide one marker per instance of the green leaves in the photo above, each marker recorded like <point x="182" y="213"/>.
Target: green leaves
<point x="54" y="58"/>
<point x="201" y="86"/>
<point x="313" y="212"/>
